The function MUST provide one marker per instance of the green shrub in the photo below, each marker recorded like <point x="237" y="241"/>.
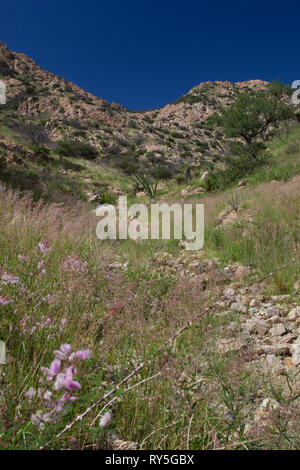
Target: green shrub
<point x="236" y="167"/>
<point x="76" y="149"/>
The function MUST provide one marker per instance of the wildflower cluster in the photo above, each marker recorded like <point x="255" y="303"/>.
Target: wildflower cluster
<point x="58" y="378"/>
<point x="75" y="265"/>
<point x="7" y="279"/>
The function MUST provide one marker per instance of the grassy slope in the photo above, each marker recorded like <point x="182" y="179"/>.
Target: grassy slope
<point x="181" y="407"/>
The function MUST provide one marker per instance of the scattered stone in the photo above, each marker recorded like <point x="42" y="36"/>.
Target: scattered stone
<point x="279" y="298"/>
<point x="199" y="190"/>
<point x="241" y="273"/>
<point x="272" y="311"/>
<point x="296" y="358"/>
<point x="226" y="217"/>
<point x="294" y="314"/>
<point x="295" y="347"/>
<point x="288" y="339"/>
<point x="239" y="307"/>
<point x="278" y="330"/>
<point x="229" y="292"/>
<point x="116" y="265"/>
<point x="280" y="349"/>
<point x="204" y="175"/>
<point x="243" y="183"/>
<point x="288" y="362"/>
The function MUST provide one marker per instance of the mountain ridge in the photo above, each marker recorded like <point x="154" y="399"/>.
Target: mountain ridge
<point x="44" y="109"/>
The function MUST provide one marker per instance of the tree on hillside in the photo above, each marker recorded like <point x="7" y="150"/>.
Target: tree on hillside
<point x="63" y="149"/>
<point x="41" y="151"/>
<point x="75" y="149"/>
<point x="279" y="90"/>
<point x="254" y="116"/>
<point x="250" y="120"/>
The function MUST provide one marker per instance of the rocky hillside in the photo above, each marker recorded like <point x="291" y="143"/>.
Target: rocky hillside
<point x="43" y="108"/>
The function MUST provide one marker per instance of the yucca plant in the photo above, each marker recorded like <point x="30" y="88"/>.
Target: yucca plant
<point x="149" y="188"/>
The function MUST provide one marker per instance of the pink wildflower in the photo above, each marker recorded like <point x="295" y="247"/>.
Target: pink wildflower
<point x="105" y="420"/>
<point x="59" y="355"/>
<point x="41" y="265"/>
<point x="83" y="354"/>
<point x="24" y="258"/>
<point x="5" y="301"/>
<point x="53" y="370"/>
<point x="59" y="382"/>
<point x="55" y="367"/>
<point x="63" y="352"/>
<point x="69" y="383"/>
<point x="44" y="247"/>
<point x="10" y="278"/>
<point x="30" y="394"/>
<point x="66" y="348"/>
<point x="47" y="395"/>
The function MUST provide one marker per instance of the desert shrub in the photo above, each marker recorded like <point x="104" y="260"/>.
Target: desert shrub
<point x="190" y="99"/>
<point x="76" y="149"/>
<point x="292" y="148"/>
<point x="162" y="172"/>
<point x="30" y="131"/>
<point x="120" y="140"/>
<point x="180" y="179"/>
<point x="107" y="198"/>
<point x="4" y="68"/>
<point x="113" y="149"/>
<point x="2" y="165"/>
<point x="128" y="162"/>
<point x="41" y="151"/>
<point x="201" y="146"/>
<point x="236" y="167"/>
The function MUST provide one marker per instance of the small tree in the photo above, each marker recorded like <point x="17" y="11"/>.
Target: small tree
<point x="279" y="90"/>
<point x="75" y="149"/>
<point x="63" y="149"/>
<point x="254" y="116"/>
<point x="41" y="151"/>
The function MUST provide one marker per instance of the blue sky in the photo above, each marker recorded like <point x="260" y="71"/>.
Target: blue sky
<point x="145" y="54"/>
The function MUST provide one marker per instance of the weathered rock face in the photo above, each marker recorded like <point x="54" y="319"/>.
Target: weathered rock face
<point x="177" y="131"/>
